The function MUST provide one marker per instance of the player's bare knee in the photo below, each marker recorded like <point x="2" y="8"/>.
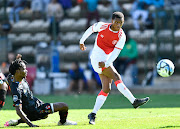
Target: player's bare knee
<point x="61" y="106"/>
<point x="64" y="106"/>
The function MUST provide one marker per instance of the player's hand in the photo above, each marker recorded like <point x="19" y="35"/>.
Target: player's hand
<point x="82" y="47"/>
<point x="19" y="56"/>
<point x="101" y="64"/>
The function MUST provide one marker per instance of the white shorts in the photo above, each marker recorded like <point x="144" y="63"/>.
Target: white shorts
<point x="98" y="55"/>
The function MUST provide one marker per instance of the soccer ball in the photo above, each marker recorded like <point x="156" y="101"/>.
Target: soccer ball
<point x="165" y="68"/>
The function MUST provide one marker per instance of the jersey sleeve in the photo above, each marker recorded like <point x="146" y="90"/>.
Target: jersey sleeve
<point x="86" y="34"/>
<point x="119" y="46"/>
<point x="121" y="42"/>
<point x="96" y="27"/>
<point x="112" y="58"/>
<point x="16" y="94"/>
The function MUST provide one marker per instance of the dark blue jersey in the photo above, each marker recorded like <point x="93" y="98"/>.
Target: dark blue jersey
<point x="23" y="96"/>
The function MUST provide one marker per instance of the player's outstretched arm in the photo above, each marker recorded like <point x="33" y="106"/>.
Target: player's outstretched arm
<point x="113" y="56"/>
<point x="86" y="34"/>
<point x="119" y="46"/>
<point x="22" y="115"/>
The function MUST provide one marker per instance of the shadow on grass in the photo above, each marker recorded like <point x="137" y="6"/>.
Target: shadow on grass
<point x="43" y="126"/>
<point x="165" y="127"/>
<point x="16" y="127"/>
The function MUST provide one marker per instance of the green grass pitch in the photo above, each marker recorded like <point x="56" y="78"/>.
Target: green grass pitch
<point x="161" y="112"/>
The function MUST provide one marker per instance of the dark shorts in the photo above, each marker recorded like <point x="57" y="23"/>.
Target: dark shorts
<point x="41" y="112"/>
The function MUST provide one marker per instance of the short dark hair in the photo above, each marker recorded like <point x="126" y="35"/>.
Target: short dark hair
<point x="15" y="65"/>
<point x="118" y="15"/>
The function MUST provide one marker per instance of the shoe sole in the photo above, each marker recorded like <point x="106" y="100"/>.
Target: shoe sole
<point x="143" y="103"/>
<point x="91" y="122"/>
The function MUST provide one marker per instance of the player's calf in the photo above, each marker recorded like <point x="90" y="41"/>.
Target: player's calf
<point x="63" y="116"/>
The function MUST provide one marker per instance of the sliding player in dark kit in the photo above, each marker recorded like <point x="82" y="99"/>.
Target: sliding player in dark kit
<point x="28" y="107"/>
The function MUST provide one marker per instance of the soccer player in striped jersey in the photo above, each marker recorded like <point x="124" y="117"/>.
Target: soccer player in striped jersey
<point x="108" y="44"/>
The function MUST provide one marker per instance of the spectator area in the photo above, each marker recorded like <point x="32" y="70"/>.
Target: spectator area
<point x="28" y="32"/>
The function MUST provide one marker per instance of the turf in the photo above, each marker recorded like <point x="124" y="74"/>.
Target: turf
<point x="162" y="111"/>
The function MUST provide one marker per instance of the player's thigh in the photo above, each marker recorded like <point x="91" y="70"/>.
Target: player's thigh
<point x="95" y="65"/>
<point x="112" y="73"/>
<point x="36" y="117"/>
<point x="60" y="106"/>
<point x="39" y="113"/>
<point x="106" y="83"/>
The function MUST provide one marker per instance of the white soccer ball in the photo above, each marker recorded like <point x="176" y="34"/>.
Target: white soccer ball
<point x="165" y="68"/>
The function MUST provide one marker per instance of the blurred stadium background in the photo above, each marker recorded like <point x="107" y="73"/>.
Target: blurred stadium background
<point x="49" y="56"/>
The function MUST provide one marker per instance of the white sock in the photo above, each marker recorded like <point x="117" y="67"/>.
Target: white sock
<point x="125" y="91"/>
<point x="101" y="98"/>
